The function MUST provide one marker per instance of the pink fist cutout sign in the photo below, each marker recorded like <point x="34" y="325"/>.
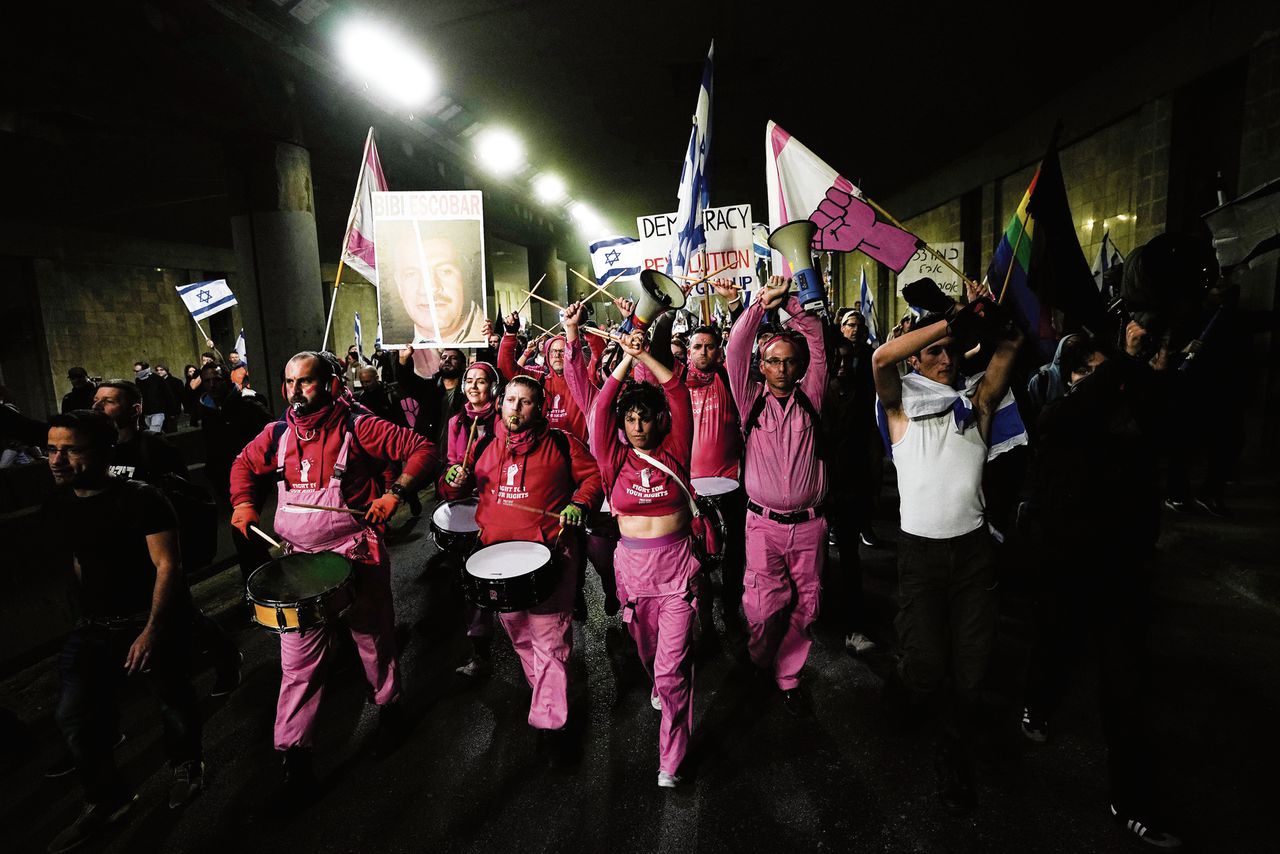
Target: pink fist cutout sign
<point x="846" y="223"/>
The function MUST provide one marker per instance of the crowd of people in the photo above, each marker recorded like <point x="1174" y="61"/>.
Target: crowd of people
<point x="720" y="463"/>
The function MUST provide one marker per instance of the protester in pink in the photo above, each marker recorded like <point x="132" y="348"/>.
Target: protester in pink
<point x="786" y="482"/>
<point x="655" y="563"/>
<point x="602" y="530"/>
<point x="328" y="451"/>
<point x="470" y="432"/>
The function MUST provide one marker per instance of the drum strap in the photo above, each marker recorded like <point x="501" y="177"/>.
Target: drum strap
<point x="693" y="505"/>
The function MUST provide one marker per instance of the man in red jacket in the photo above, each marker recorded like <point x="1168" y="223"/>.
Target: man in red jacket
<point x="561" y="410"/>
<point x="328" y="452"/>
<point x="553" y="480"/>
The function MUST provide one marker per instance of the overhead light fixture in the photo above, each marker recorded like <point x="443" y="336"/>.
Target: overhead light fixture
<point x="549" y="188"/>
<point x="499" y="151"/>
<point x="383" y="62"/>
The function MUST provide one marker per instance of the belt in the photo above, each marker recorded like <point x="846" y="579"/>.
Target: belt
<point x="793" y="518"/>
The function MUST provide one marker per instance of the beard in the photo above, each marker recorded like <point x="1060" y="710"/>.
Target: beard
<point x="302" y="406"/>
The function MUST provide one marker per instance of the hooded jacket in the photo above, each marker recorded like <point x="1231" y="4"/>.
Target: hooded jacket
<point x="561" y="411"/>
<point x="528" y="470"/>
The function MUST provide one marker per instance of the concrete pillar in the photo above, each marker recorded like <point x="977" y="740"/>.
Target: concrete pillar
<point x="542" y="259"/>
<point x="279" y="287"/>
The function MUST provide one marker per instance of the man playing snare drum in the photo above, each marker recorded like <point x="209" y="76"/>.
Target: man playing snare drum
<point x="328" y="451"/>
<point x="535" y="484"/>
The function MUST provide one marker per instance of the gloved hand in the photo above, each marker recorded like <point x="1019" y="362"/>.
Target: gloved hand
<point x="925" y="294"/>
<point x="571" y="516"/>
<point x="243" y="516"/>
<point x="382" y="508"/>
<point x="455" y="475"/>
<point x="975" y="321"/>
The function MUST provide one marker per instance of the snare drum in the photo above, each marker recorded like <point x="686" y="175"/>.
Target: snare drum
<point x="508" y="577"/>
<point x="454" y="528"/>
<point x="301" y="591"/>
<point x="711" y="493"/>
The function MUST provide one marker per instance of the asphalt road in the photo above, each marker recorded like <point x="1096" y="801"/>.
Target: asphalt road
<point x="470" y="777"/>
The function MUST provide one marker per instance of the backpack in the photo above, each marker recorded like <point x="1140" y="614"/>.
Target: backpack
<point x="197" y="515"/>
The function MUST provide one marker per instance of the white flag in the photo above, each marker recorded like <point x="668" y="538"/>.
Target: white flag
<point x="206" y="298"/>
<point x="357" y="244"/>
<point x="244" y="357"/>
<point x="613" y="256"/>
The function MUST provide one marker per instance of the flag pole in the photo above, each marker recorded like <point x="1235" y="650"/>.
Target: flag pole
<point x="934" y="252"/>
<point x="201" y="328"/>
<point x="334" y="301"/>
<point x="1013" y="259"/>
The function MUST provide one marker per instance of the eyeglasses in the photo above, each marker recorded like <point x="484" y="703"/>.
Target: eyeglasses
<point x="775" y="362"/>
<point x="69" y="450"/>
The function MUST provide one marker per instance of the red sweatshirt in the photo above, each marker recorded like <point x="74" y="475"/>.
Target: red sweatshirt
<point x="561" y="410"/>
<point x="717" y="436"/>
<point x="528" y="470"/>
<point x="637" y="487"/>
<point x="376" y="444"/>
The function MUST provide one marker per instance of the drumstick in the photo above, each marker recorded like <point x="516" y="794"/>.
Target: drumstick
<point x="264" y="536"/>
<point x="537" y="510"/>
<point x="547" y="301"/>
<point x="595" y="289"/>
<point x="330" y="509"/>
<point x="599" y="332"/>
<point x="470" y="439"/>
<point x="535" y="287"/>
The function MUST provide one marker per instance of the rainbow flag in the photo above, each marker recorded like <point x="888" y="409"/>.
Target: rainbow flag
<point x="1038" y="269"/>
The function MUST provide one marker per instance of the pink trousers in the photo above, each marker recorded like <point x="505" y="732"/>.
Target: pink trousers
<point x="543" y="638"/>
<point x="662" y="626"/>
<point x="780" y="593"/>
<point x="303" y="657"/>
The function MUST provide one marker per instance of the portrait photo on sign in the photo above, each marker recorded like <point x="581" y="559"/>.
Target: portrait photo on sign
<point x="431" y="276"/>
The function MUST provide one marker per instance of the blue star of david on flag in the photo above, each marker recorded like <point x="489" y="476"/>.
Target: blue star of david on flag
<point x="611" y="257"/>
<point x="205" y="298"/>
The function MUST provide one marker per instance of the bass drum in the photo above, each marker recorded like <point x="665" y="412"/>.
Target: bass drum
<point x="301" y="591"/>
<point x="514" y="576"/>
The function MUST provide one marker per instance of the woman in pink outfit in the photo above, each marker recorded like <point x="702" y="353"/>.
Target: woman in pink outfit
<point x="654" y="563"/>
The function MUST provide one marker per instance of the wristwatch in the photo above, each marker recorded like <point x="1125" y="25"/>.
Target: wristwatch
<point x="398" y="490"/>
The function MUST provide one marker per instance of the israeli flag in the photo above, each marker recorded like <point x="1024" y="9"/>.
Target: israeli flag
<point x="868" y="315"/>
<point x="1108" y="256"/>
<point x="613" y="256"/>
<point x="205" y="298"/>
<point x="244" y="357"/>
<point x="359" y="339"/>
<point x="690" y="238"/>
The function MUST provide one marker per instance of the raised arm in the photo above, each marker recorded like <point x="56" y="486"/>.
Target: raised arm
<point x="814" y="381"/>
<point x="995" y="382"/>
<point x="885" y="359"/>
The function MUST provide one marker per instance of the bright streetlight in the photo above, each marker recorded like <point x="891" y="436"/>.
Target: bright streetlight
<point x="499" y="150"/>
<point x="548" y="188"/>
<point x="379" y="58"/>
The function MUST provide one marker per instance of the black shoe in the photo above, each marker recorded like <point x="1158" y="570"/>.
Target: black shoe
<point x="1140" y="831"/>
<point x="869" y="539"/>
<point x="93" y="819"/>
<point x="955" y="780"/>
<point x="554" y="744"/>
<point x="188" y="781"/>
<point x="66" y="763"/>
<point x="229" y="679"/>
<point x="796" y="702"/>
<point x="1034" y="726"/>
<point x="1213" y="507"/>
<point x="391" y="729"/>
<point x="298" y="786"/>
<point x="1178" y="505"/>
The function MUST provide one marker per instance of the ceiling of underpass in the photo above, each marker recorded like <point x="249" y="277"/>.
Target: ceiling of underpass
<point x="123" y="114"/>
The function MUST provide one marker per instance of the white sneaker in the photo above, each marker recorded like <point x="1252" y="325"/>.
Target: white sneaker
<point x="656" y="702"/>
<point x="858" y="643"/>
<point x="667" y="781"/>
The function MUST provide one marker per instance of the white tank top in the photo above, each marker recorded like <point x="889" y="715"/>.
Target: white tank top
<point x="940" y="477"/>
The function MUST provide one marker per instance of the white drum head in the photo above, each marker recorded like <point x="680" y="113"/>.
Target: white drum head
<point x="713" y="486"/>
<point x="508" y="560"/>
<point x="459" y="516"/>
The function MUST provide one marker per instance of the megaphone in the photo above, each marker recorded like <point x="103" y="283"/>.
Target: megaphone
<point x="794" y="240"/>
<point x="659" y="293"/>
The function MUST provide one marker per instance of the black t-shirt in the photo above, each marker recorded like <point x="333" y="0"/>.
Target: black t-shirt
<point x="150" y="463"/>
<point x="107" y="533"/>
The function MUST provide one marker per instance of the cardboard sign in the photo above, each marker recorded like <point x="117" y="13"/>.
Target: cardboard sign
<point x="729" y="243"/>
<point x="430" y="253"/>
<point x="925" y="265"/>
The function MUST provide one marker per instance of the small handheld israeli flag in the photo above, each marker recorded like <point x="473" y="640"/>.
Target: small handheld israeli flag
<point x="205" y="298"/>
<point x="615" y="256"/>
<point x="244" y="357"/>
<point x="359" y="340"/>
